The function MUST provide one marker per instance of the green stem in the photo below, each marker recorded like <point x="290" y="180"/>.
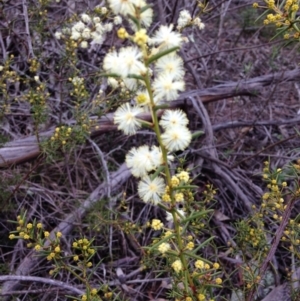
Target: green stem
<point x="187" y="277"/>
<point x="83" y="280"/>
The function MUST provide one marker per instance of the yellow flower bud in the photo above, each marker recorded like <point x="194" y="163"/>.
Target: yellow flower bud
<point x="39" y="225"/>
<point x="201" y="297"/>
<point x="37" y="247"/>
<point x="29" y="226"/>
<point x="218" y="281"/>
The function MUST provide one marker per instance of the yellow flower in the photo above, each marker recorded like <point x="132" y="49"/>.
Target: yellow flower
<point x="255" y="5"/>
<point x="39" y="225"/>
<point x="26" y="236"/>
<point x="37" y="247"/>
<point x="122" y="33"/>
<point x="29" y="226"/>
<point x="175" y="181"/>
<point x="218" y="281"/>
<point x="177" y="265"/>
<point x="266" y="196"/>
<point x="164" y="247"/>
<point x="57" y="249"/>
<point x="75" y="244"/>
<point x="157" y="224"/>
<point x="271" y="17"/>
<point x="179" y="197"/>
<point x="140" y="37"/>
<point x="216" y="265"/>
<point x="166" y="198"/>
<point x="169" y="233"/>
<point x="46" y="234"/>
<point x="83" y="297"/>
<point x="108" y="295"/>
<point x="201" y="297"/>
<point x="89" y="264"/>
<point x="94" y="291"/>
<point x="76" y="258"/>
<point x="190" y="246"/>
<point x="199" y="264"/>
<point x="58" y="234"/>
<point x="207" y="266"/>
<point x="12" y="236"/>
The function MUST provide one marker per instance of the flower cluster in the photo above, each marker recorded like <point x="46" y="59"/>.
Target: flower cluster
<point x="185" y="20"/>
<point x="27" y="231"/>
<point x="61" y="134"/>
<point x="87" y="30"/>
<point x="49" y="246"/>
<point x="153" y="72"/>
<point x="144" y="159"/>
<point x="83" y="252"/>
<point x="35" y="236"/>
<point x="168" y="69"/>
<point x="176" y="135"/>
<point x="37" y="97"/>
<point x="283" y="15"/>
<point x="134" y="8"/>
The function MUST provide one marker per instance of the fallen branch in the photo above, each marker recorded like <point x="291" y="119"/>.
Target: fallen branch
<point x="22" y="150"/>
<point x="41" y="280"/>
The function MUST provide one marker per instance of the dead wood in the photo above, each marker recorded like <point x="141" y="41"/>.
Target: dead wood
<point x="21" y="150"/>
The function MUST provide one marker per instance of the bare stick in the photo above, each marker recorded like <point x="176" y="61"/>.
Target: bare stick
<point x="42" y="280"/>
<point x="25" y="13"/>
